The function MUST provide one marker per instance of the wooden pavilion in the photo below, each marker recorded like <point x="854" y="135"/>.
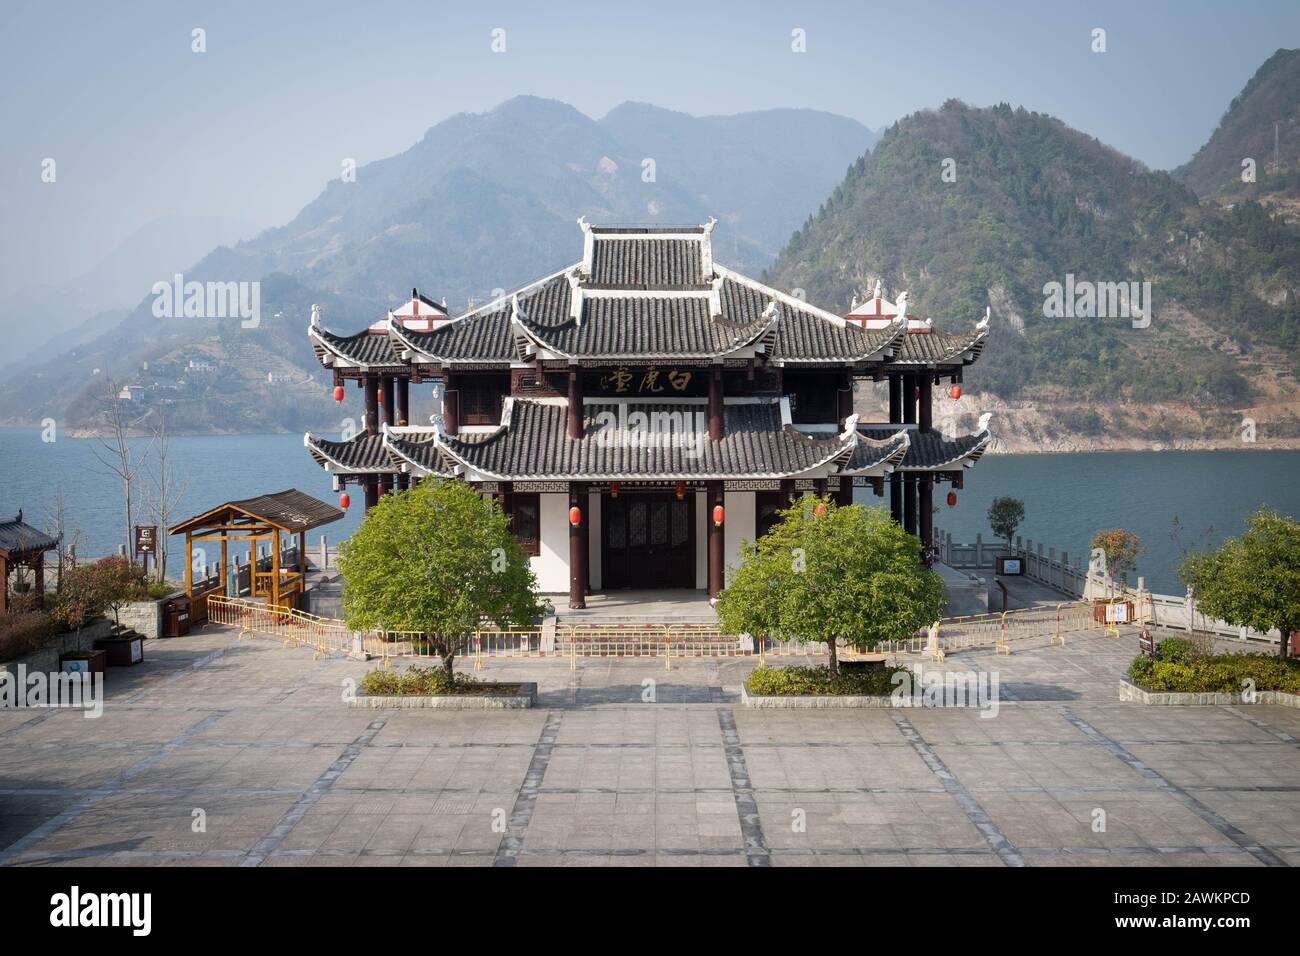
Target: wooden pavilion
<point x="256" y="520"/>
<point x="21" y="545"/>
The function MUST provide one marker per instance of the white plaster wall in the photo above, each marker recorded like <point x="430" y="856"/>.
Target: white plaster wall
<point x="739" y="509"/>
<point x="701" y="541"/>
<point x="552" y="565"/>
<point x="593" y="539"/>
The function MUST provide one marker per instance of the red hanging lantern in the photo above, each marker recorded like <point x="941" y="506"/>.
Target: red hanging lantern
<point x="820" y="509"/>
<point x="575" y="516"/>
<point x="681" y="490"/>
<point x="338" y="393"/>
<point x="344" y="500"/>
<point x="718" y="515"/>
<point x="952" y="499"/>
<point x="379" y="395"/>
<point x="613" y="489"/>
<point x="955" y="392"/>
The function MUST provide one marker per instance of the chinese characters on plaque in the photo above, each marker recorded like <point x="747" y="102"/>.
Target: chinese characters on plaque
<point x="648" y="380"/>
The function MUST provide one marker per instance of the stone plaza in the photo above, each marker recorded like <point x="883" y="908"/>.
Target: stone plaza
<point x="226" y="752"/>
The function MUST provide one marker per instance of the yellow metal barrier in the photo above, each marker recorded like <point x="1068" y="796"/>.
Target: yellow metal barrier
<point x="329" y="636"/>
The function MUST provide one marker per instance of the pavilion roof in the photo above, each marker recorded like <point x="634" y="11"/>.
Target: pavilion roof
<point x="532" y="443"/>
<point x="366" y="349"/>
<point x="937" y="347"/>
<point x="931" y="451"/>
<point x="17" y="537"/>
<point x="290" y="510"/>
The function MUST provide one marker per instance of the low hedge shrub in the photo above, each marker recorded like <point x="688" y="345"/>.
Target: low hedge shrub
<point x="24" y="633"/>
<point x="793" y="681"/>
<point x="1219" y="674"/>
<point x="427" y="682"/>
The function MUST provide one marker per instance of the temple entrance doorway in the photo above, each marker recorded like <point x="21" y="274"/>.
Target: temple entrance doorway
<point x="648" y="540"/>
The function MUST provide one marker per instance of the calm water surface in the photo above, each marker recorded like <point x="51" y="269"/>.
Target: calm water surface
<point x="1067" y="497"/>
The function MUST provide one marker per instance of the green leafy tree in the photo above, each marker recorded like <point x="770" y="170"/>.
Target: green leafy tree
<point x="1252" y="580"/>
<point x="847" y="573"/>
<point x="1005" y="515"/>
<point x="80" y="598"/>
<point x="119" y="581"/>
<point x="1122" y="549"/>
<point x="437" y="559"/>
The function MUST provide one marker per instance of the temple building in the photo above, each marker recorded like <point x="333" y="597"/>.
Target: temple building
<point x="640" y="412"/>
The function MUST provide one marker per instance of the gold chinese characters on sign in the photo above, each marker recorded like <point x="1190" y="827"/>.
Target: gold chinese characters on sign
<point x="650" y="380"/>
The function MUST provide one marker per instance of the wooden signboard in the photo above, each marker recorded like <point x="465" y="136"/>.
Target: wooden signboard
<point x="146" y="538"/>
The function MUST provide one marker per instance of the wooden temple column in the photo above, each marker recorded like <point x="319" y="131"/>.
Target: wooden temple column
<point x="716" y="550"/>
<point x="450" y="404"/>
<point x="4" y="584"/>
<point x="844" y="401"/>
<point x="896" y="496"/>
<point x="370" y="483"/>
<point x="925" y="488"/>
<point x="274" y="599"/>
<point x="575" y="403"/>
<point x="909" y="399"/>
<point x="925" y="411"/>
<point x="403" y="411"/>
<point x="370" y="422"/>
<point x="895" y="399"/>
<point x="387" y="398"/>
<point x="716" y="415"/>
<point x="387" y="401"/>
<point x="844" y="496"/>
<point x="909" y="502"/>
<point x="402" y="386"/>
<point x="577" y="546"/>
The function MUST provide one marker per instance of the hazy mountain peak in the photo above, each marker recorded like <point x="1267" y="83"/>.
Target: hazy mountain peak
<point x="1268" y="105"/>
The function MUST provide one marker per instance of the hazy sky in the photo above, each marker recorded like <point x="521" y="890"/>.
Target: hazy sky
<point x="141" y="127"/>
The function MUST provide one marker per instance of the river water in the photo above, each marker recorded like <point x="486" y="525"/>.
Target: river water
<point x="1067" y="497"/>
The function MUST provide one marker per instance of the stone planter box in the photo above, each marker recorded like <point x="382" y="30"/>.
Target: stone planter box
<point x="813" y="701"/>
<point x="46" y="660"/>
<point x="524" y="699"/>
<point x="1129" y="691"/>
<point x="122" y="651"/>
<point x="94" y="664"/>
<point x="144" y="617"/>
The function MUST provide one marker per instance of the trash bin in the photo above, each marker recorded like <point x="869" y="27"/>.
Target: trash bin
<point x="176" y="616"/>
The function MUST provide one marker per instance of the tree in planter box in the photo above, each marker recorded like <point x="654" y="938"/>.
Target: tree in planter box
<point x="1005" y="516"/>
<point x="828" y="573"/>
<point x="436" y="559"/>
<point x="80" y="599"/>
<point x="120" y="581"/>
<point x="1121" y="549"/>
<point x="1252" y="580"/>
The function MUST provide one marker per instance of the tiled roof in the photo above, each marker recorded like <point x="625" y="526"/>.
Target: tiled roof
<point x="618" y="327"/>
<point x="804" y="336"/>
<point x="647" y="262"/>
<point x="534" y="444"/>
<point x="18" y="537"/>
<point x="937" y="347"/>
<point x="479" y="336"/>
<point x="929" y="451"/>
<point x="639" y="324"/>
<point x="358" y="455"/>
<point x="364" y="348"/>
